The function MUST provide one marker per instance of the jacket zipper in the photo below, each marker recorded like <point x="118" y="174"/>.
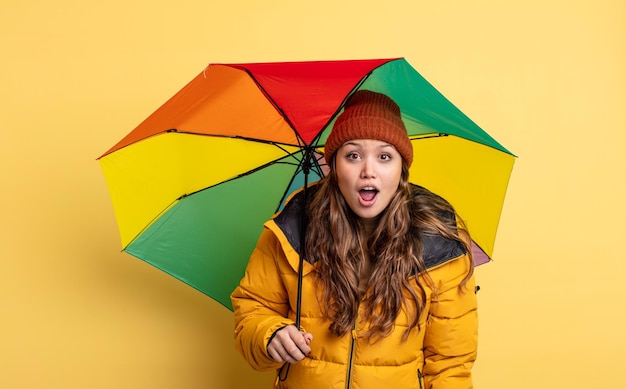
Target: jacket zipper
<point x="420" y="377"/>
<point x="351" y="357"/>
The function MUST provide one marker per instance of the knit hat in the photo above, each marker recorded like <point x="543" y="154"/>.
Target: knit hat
<point x="370" y="115"/>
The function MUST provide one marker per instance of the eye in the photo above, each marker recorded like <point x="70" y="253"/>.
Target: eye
<point x="352" y="155"/>
<point x="385" y="157"/>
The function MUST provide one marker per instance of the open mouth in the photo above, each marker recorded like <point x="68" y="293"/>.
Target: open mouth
<point x="368" y="194"/>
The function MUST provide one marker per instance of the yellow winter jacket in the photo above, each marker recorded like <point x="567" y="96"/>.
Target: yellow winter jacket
<point x="438" y="355"/>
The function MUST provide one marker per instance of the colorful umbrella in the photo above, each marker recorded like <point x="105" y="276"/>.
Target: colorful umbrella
<point x="193" y="184"/>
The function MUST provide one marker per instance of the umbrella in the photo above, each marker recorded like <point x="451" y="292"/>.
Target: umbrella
<point x="193" y="184"/>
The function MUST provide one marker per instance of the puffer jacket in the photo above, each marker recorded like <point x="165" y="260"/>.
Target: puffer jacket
<point x="438" y="355"/>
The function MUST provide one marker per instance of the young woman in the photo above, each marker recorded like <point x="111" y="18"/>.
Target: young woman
<point x="388" y="296"/>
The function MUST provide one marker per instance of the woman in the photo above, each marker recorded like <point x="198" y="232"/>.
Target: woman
<point x="388" y="290"/>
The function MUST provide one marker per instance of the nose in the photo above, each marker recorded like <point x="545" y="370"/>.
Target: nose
<point x="368" y="170"/>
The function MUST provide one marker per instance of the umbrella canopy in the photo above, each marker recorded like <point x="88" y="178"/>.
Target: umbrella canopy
<point x="193" y="184"/>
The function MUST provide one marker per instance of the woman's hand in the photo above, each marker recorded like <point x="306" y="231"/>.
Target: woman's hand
<point x="289" y="345"/>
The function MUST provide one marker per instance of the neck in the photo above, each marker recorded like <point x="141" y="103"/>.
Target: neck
<point x="369" y="225"/>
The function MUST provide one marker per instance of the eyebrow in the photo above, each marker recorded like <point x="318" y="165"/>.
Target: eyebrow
<point x="356" y="143"/>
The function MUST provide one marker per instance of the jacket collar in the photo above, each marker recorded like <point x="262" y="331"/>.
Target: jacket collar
<point x="436" y="249"/>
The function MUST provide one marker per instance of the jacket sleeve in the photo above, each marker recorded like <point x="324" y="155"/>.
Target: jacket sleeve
<point x="260" y="303"/>
<point x="451" y="338"/>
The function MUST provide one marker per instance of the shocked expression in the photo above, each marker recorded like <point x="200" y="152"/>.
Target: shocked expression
<point x="368" y="173"/>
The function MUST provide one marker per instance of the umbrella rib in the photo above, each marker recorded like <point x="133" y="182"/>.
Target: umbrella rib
<point x="256" y="169"/>
<point x="249" y="139"/>
<point x="282" y="113"/>
<point x="314" y="166"/>
<point x="164" y="210"/>
<point x="281" y="144"/>
<point x="354" y="88"/>
<point x="427" y="136"/>
<point x="317" y="167"/>
<point x="332" y="117"/>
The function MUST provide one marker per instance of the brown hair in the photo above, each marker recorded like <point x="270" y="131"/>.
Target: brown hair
<point x="334" y="243"/>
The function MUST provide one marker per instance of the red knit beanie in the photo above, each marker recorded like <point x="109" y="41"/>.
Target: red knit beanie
<point x="370" y="115"/>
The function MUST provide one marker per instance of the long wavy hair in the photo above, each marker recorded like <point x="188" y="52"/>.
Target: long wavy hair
<point x="335" y="243"/>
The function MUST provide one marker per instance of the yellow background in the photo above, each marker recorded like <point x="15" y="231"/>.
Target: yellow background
<point x="545" y="78"/>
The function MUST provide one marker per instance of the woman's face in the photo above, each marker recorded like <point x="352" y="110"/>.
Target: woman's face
<point x="368" y="173"/>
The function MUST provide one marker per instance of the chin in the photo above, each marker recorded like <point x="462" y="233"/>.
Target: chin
<point x="368" y="214"/>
